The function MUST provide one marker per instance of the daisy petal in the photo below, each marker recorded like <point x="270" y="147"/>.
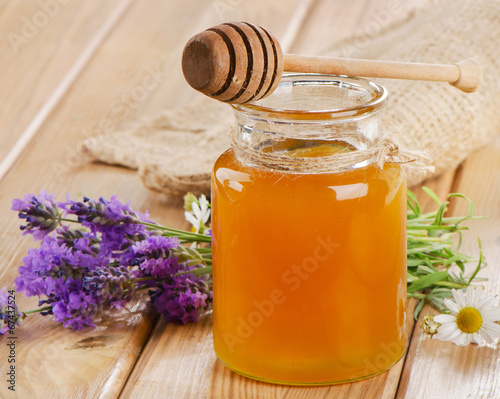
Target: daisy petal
<point x="459" y="298"/>
<point x="447" y="334"/>
<point x="478" y="339"/>
<point x="485" y="336"/>
<point x="444" y="318"/>
<point x="476" y="295"/>
<point x="491" y="329"/>
<point x="488" y="301"/>
<point x="463" y="339"/>
<point x="206" y="215"/>
<point x="191" y="218"/>
<point x="459" y="338"/>
<point x="492" y="314"/>
<point x="451" y="305"/>
<point x="471" y="296"/>
<point x="196" y="210"/>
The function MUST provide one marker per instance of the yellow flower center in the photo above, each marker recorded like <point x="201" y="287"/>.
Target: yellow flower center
<point x="469" y="320"/>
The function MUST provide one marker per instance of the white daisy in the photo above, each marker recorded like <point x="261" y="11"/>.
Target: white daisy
<point x="199" y="214"/>
<point x="472" y="319"/>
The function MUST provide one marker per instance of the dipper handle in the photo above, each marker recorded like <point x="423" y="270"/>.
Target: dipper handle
<point x="465" y="75"/>
<point x="239" y="62"/>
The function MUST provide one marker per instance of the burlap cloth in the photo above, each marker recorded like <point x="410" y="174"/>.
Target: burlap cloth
<point x="175" y="151"/>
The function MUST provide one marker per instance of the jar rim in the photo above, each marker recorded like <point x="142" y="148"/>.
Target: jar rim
<point x="378" y="98"/>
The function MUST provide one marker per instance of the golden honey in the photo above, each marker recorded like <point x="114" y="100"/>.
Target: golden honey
<point x="309" y="269"/>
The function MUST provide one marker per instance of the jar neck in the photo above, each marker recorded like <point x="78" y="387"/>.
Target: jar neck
<point x="304" y="136"/>
<point x="360" y="133"/>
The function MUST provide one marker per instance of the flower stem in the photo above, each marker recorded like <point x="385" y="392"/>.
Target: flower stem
<point x="69" y="220"/>
<point x="38" y="310"/>
<point x="181" y="234"/>
<point x="197" y="272"/>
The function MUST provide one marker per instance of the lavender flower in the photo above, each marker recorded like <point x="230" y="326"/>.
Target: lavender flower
<point x="81" y="240"/>
<point x="77" y="272"/>
<point x="111" y="286"/>
<point x="178" y="297"/>
<point x="56" y="270"/>
<point x="41" y="213"/>
<point x="75" y="308"/>
<point x="54" y="262"/>
<point x="183" y="297"/>
<point x="97" y="215"/>
<point x="119" y="225"/>
<point x="9" y="313"/>
<point x="76" y="303"/>
<point x="154" y="256"/>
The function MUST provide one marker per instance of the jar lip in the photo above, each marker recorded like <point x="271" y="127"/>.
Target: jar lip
<point x="378" y="98"/>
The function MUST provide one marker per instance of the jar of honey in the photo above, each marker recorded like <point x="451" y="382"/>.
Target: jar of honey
<point x="309" y="249"/>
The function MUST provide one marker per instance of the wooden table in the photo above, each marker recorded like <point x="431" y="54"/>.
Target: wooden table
<point x="66" y="68"/>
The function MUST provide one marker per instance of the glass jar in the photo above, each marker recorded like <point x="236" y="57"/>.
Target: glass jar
<point x="309" y="253"/>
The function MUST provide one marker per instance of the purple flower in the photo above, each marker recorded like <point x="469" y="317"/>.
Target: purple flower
<point x="154" y="256"/>
<point x="40" y="212"/>
<point x="78" y="322"/>
<point x="97" y="215"/>
<point x="61" y="311"/>
<point x="10" y="316"/>
<point x="183" y="298"/>
<point x="45" y="268"/>
<point x="86" y="242"/>
<point x="111" y="286"/>
<point x="71" y="318"/>
<point x="76" y="272"/>
<point x="119" y="226"/>
<point x="56" y="271"/>
<point x="178" y="297"/>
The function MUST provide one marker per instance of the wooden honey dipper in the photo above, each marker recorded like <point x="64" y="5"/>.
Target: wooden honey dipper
<point x="241" y="62"/>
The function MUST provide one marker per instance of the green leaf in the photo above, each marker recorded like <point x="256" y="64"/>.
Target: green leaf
<point x="413" y="203"/>
<point x="431" y="194"/>
<point x="479" y="263"/>
<point x="427" y="281"/>
<point x="471" y="205"/>
<point x="418" y="309"/>
<point x="438" y="220"/>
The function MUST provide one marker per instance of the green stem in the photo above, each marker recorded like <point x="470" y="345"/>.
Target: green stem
<point x="435" y="227"/>
<point x="416" y="295"/>
<point x="69" y="220"/>
<point x="197" y="272"/>
<point x="444" y="220"/>
<point x="204" y="250"/>
<point x="180" y="233"/>
<point x="428" y="239"/>
<point x="38" y="310"/>
<point x="450" y="284"/>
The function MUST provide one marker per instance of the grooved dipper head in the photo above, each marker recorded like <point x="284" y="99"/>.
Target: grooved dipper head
<point x="233" y="62"/>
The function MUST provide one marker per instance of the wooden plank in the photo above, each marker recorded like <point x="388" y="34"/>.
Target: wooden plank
<point x="43" y="41"/>
<point x="441" y="369"/>
<point x="331" y="22"/>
